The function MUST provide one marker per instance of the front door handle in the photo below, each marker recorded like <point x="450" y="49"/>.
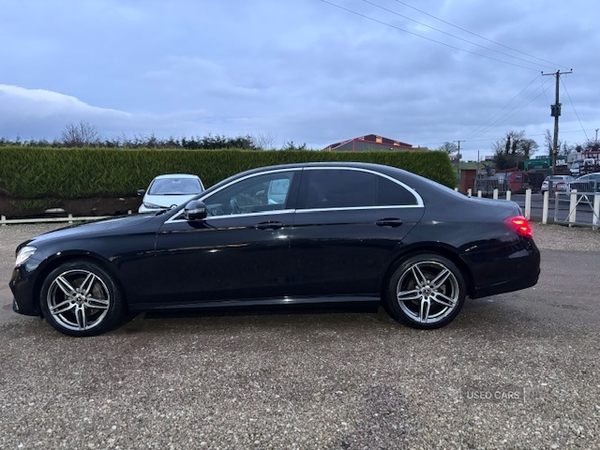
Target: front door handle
<point x="389" y="222"/>
<point x="269" y="225"/>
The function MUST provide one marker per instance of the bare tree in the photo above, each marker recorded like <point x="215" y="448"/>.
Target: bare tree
<point x="513" y="150"/>
<point x="450" y="148"/>
<point x="264" y="142"/>
<point x="82" y="134"/>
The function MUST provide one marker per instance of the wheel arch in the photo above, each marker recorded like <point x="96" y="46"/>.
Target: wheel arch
<point x="58" y="260"/>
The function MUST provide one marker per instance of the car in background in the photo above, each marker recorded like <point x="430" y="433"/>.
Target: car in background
<point x="284" y="235"/>
<point x="169" y="191"/>
<point x="589" y="183"/>
<point x="560" y="183"/>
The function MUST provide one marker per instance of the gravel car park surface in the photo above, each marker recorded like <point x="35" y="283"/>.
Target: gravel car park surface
<point x="515" y="370"/>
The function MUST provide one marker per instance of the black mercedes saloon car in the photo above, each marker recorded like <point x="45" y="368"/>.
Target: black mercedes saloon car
<point x="290" y="234"/>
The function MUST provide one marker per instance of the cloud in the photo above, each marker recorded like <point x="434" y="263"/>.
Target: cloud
<point x="40" y="103"/>
<point x="41" y="114"/>
<point x="305" y="70"/>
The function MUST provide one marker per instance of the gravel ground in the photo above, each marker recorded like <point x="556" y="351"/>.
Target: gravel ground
<point x="516" y="371"/>
<point x="560" y="237"/>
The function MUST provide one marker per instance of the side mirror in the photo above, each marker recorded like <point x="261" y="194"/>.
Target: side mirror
<point x="195" y="210"/>
<point x="141" y="192"/>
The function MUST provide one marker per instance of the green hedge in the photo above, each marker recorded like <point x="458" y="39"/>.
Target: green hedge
<point x="34" y="173"/>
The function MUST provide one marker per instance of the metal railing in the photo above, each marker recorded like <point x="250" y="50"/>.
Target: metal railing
<point x="488" y="185"/>
<point x="566" y="206"/>
<point x="584" y="186"/>
<point x="587" y="203"/>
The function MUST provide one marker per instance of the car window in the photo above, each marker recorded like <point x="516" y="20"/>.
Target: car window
<point x="266" y="192"/>
<point x="343" y="188"/>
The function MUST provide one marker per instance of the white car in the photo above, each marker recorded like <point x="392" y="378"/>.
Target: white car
<point x="169" y="190"/>
<point x="560" y="182"/>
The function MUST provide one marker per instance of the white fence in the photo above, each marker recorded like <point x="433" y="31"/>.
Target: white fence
<point x="584" y="202"/>
<point x="69" y="219"/>
<point x="588" y="204"/>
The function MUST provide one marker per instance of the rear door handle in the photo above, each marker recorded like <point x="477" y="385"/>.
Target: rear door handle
<point x="270" y="225"/>
<point x="389" y="222"/>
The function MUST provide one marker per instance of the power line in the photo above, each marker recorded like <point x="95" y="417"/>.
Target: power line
<point x="487" y="125"/>
<point x="425" y="37"/>
<point x="479" y="36"/>
<point x="490" y="123"/>
<point x="513" y="111"/>
<point x="457" y="37"/>
<point x="574" y="110"/>
<point x="492" y="139"/>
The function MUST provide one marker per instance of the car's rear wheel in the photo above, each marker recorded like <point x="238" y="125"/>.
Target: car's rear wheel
<point x="80" y="298"/>
<point x="425" y="291"/>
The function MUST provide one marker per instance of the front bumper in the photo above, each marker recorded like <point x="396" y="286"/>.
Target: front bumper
<point x="21" y="285"/>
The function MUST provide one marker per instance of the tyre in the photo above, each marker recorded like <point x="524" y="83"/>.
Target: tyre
<point x="80" y="298"/>
<point x="425" y="291"/>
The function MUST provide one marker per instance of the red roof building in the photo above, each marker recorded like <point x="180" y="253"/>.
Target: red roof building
<point x="368" y="143"/>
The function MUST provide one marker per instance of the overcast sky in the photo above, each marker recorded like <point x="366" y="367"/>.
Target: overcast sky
<point x="308" y="71"/>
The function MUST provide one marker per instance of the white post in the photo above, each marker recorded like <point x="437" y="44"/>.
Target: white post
<point x="573" y="208"/>
<point x="3" y="220"/>
<point x="479" y="193"/>
<point x="528" y="204"/>
<point x="70" y="216"/>
<point x="596" y="216"/>
<point x="469" y="192"/>
<point x="495" y="194"/>
<point x="545" y="207"/>
<point x="508" y="194"/>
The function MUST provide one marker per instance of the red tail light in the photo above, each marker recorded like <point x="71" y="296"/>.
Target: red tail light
<point x="519" y="224"/>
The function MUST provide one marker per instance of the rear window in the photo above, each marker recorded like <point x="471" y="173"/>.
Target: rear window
<point x="175" y="186"/>
<point x="343" y="188"/>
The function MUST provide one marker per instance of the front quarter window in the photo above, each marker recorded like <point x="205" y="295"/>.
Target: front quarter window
<point x="255" y="194"/>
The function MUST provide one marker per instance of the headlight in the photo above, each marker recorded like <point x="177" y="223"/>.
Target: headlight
<point x="153" y="206"/>
<point x="24" y="254"/>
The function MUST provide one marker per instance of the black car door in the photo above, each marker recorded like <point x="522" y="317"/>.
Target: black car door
<point x="348" y="226"/>
<point x="240" y="251"/>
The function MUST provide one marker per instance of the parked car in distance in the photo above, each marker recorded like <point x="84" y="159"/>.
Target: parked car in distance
<point x="584" y="166"/>
<point x="284" y="235"/>
<point x="168" y="191"/>
<point x="560" y="182"/>
<point x="589" y="183"/>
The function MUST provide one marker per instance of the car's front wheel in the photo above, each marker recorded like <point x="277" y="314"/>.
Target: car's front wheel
<point x="425" y="291"/>
<point x="80" y="298"/>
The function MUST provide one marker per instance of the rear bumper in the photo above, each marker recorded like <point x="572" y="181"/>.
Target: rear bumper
<point x="519" y="269"/>
<point x="513" y="284"/>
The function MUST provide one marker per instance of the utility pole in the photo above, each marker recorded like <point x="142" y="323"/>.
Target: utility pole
<point x="458" y="149"/>
<point x="555" y="112"/>
<point x="458" y="158"/>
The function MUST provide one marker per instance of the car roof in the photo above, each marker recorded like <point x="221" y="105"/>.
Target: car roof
<point x="389" y="170"/>
<point x="417" y="182"/>
<point x="176" y="175"/>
